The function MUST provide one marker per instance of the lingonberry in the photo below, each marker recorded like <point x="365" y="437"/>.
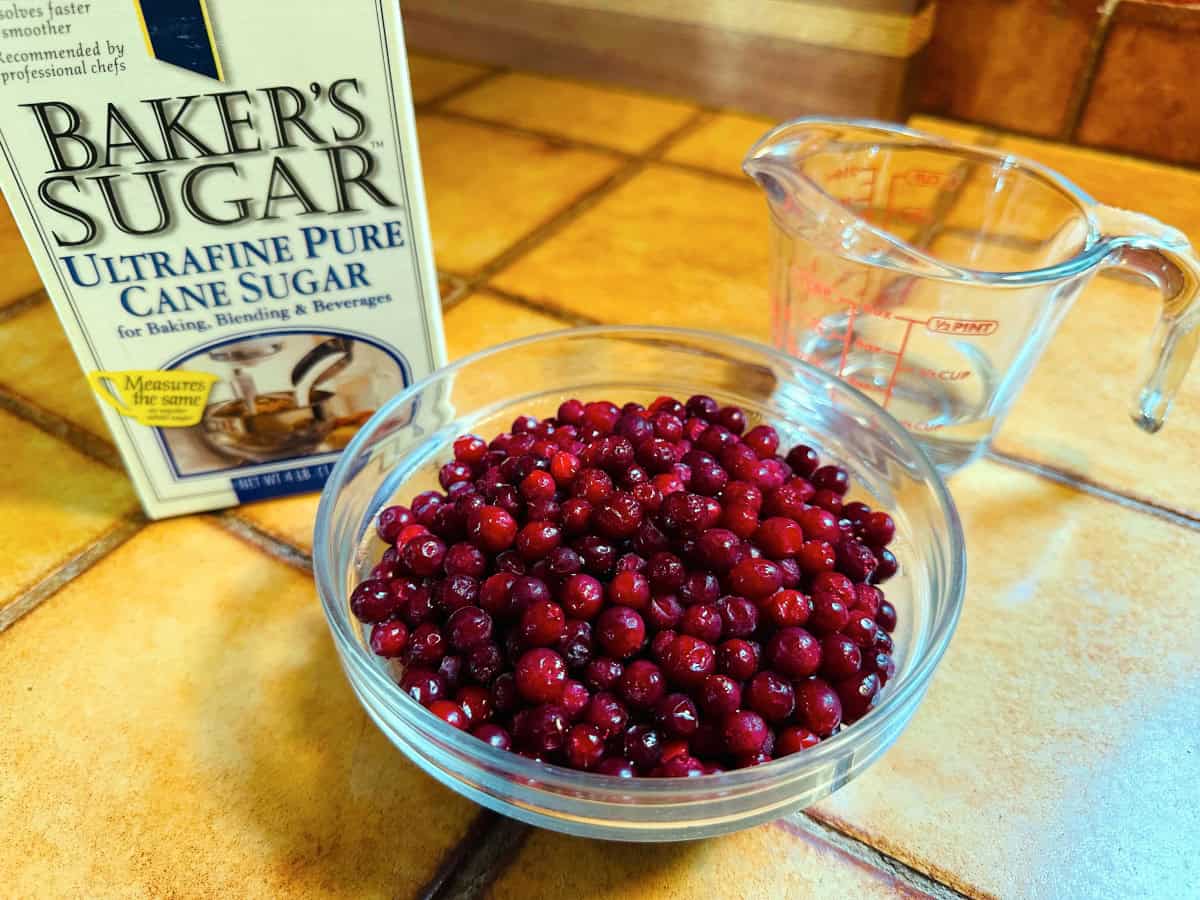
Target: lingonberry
<point x="629" y="588"/>
<point x="575" y="515"/>
<point x="663" y="613"/>
<point x="423" y="684"/>
<point x="576" y="645"/>
<point x="616" y="767"/>
<point x="504" y="693"/>
<point x="391" y="520"/>
<point x="744" y="732"/>
<point x="574" y="700"/>
<point x="888" y="566"/>
<point x="855" y="560"/>
<point x="688" y="660"/>
<point x="620" y="631"/>
<point x="718" y="549"/>
<point x="886" y="617"/>
<point x="861" y="629"/>
<point x="787" y="608"/>
<point x="388" y="639"/>
<point x="602" y="673"/>
<point x="584" y="747"/>
<point x="465" y="559"/>
<point x="793" y="739"/>
<point x="868" y="600"/>
<point x="541" y="729"/>
<point x="739" y="617"/>
<point x="540" y="675"/>
<point x="819" y="706"/>
<point x="450" y="713"/>
<point x="451" y="670"/>
<point x="493" y="529"/>
<point x="699" y="587"/>
<point x="719" y="695"/>
<point x="857" y="694"/>
<point x="642" y="684"/>
<point x="779" y="537"/>
<point x="755" y="578"/>
<point x="483" y="662"/>
<point x="373" y="601"/>
<point x="457" y="591"/>
<point x="542" y="624"/>
<point x="702" y="621"/>
<point x="738" y="658"/>
<point x="829" y="613"/>
<point x="793" y="652"/>
<point x="468" y="626"/>
<point x="840" y="656"/>
<point x="642" y="745"/>
<point x="426" y="645"/>
<point x="771" y="696"/>
<point x="831" y="478"/>
<point x="493" y="735"/>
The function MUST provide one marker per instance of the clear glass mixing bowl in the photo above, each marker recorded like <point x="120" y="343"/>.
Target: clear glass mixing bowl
<point x="398" y="453"/>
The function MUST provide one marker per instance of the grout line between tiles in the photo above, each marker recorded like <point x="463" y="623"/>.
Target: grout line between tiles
<point x="58" y="427"/>
<point x="1091" y="488"/>
<point x="546" y="308"/>
<point x="1077" y="103"/>
<point x="471" y="866"/>
<point x="872" y="857"/>
<point x="538" y="134"/>
<point x="584" y="202"/>
<point x="23" y="305"/>
<point x="450" y="93"/>
<point x="58" y="578"/>
<point x="262" y="540"/>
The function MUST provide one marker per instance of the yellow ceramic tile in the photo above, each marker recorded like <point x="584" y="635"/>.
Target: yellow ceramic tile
<point x="54" y="502"/>
<point x="488" y="188"/>
<point x="484" y="320"/>
<point x="954" y="131"/>
<point x="176" y="723"/>
<point x="667" y="248"/>
<point x="37" y="362"/>
<point x="584" y="112"/>
<point x="772" y="861"/>
<point x="720" y="143"/>
<point x="20" y="277"/>
<point x="1055" y="753"/>
<point x="1166" y="192"/>
<point x="479" y="321"/>
<point x="431" y="77"/>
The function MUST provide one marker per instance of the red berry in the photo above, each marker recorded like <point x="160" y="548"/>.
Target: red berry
<point x="840" y="656"/>
<point x="391" y="520"/>
<point x="493" y="529"/>
<point x="857" y="694"/>
<point x="744" y="732"/>
<point x="373" y="601"/>
<point x="738" y="658"/>
<point x="468" y="626"/>
<point x="388" y="639"/>
<point x="818" y="706"/>
<point x="450" y="713"/>
<point x="771" y="696"/>
<point x="793" y="739"/>
<point x="642" y="684"/>
<point x="620" y="631"/>
<point x="630" y="589"/>
<point x="787" y="608"/>
<point x="540" y="676"/>
<point x="493" y="735"/>
<point x="755" y="578"/>
<point x="688" y="660"/>
<point x="542" y="624"/>
<point x="779" y="537"/>
<point x="794" y="652"/>
<point x="719" y="695"/>
<point x="584" y="747"/>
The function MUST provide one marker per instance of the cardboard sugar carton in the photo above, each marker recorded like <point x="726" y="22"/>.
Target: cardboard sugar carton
<point x="224" y="201"/>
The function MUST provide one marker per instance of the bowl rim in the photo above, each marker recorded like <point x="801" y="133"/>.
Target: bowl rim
<point x="542" y="775"/>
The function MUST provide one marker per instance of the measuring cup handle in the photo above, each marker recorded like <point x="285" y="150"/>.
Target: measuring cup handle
<point x="1163" y="256"/>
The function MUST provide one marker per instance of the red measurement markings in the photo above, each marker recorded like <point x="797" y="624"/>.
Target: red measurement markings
<point x="908" y="327"/>
<point x="971" y="327"/>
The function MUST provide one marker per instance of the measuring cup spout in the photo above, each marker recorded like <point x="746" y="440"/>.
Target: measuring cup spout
<point x="1163" y="256"/>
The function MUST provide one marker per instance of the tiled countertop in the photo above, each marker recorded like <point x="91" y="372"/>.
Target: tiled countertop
<point x="173" y="720"/>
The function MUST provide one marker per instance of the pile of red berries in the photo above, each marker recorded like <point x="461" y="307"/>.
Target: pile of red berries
<point x="637" y="591"/>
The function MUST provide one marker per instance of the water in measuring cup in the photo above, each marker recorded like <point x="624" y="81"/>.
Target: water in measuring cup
<point x="940" y="400"/>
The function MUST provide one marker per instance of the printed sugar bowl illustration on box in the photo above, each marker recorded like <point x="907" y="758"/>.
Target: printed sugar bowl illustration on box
<point x="231" y="226"/>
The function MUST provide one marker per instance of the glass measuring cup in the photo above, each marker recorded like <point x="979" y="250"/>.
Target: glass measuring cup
<point x="932" y="275"/>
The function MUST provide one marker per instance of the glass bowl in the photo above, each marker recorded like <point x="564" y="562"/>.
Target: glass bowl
<point x="398" y="453"/>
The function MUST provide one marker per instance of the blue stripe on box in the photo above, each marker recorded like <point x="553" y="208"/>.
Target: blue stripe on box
<point x="178" y="34"/>
<point x="299" y="480"/>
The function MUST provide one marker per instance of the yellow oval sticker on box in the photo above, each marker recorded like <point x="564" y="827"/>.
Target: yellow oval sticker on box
<point x="154" y="398"/>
